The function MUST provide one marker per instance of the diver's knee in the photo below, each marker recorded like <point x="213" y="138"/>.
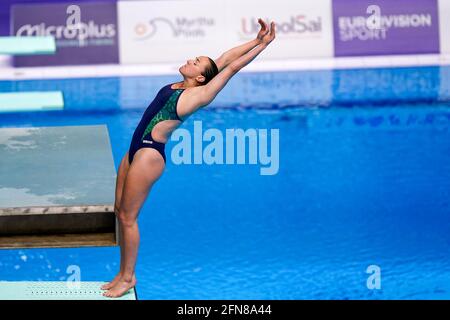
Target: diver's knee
<point x="126" y="220"/>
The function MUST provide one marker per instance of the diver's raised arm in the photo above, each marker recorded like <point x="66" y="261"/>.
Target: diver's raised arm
<point x="212" y="88"/>
<point x="229" y="56"/>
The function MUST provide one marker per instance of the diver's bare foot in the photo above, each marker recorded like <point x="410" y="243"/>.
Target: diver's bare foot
<point x="111" y="284"/>
<point x="120" y="288"/>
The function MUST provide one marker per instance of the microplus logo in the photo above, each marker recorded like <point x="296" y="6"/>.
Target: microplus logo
<point x="295" y="25"/>
<point x="231" y="149"/>
<point x="180" y="27"/>
<point x="74" y="29"/>
<point x="376" y="25"/>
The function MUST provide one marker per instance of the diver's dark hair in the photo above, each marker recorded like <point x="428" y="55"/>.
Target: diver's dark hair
<point x="210" y="71"/>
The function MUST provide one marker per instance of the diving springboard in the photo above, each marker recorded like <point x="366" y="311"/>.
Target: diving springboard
<point x="27" y="45"/>
<point x="31" y="101"/>
<point x="57" y="290"/>
<point x="57" y="187"/>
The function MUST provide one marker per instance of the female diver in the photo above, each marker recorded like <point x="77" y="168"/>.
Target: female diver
<point x="144" y="163"/>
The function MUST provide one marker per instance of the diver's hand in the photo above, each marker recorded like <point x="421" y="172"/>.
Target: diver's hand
<point x="263" y="31"/>
<point x="268" y="37"/>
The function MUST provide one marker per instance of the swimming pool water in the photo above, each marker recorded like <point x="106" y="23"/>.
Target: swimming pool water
<point x="364" y="179"/>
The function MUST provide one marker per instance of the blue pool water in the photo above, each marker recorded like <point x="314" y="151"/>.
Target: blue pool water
<point x="364" y="179"/>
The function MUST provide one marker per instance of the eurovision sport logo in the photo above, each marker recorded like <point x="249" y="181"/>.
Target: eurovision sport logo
<point x="378" y="27"/>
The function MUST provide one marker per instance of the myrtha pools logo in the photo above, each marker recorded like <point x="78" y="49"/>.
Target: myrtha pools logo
<point x="180" y="27"/>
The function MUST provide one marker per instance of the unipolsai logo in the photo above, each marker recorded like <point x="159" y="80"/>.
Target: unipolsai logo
<point x="179" y="27"/>
<point x="293" y="26"/>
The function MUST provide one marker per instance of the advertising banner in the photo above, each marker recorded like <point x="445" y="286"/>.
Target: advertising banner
<point x="168" y="31"/>
<point x="304" y="28"/>
<point x="384" y="27"/>
<point x="85" y="33"/>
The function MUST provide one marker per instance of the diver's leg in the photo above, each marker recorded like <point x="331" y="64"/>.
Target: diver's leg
<point x="120" y="180"/>
<point x="147" y="167"/>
